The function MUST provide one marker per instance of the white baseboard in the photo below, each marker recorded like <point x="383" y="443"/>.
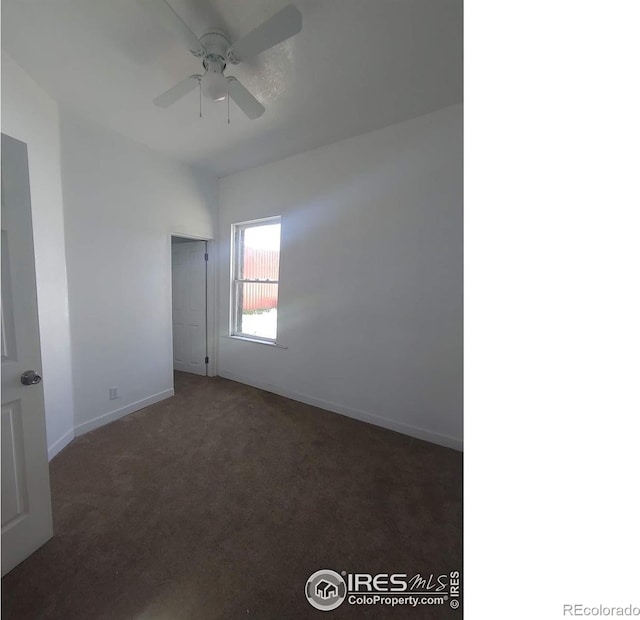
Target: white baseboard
<point x="91" y="425"/>
<point x="61" y="443"/>
<point x="357" y="414"/>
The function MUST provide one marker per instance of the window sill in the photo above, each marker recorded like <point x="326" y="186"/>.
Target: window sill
<point x="257" y="341"/>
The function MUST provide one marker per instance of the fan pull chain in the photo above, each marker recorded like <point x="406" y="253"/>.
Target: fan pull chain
<point x="228" y="119"/>
<point x="200" y="82"/>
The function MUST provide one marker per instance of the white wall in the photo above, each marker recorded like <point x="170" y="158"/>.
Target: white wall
<point x="371" y="276"/>
<point x="30" y="115"/>
<point x="122" y="202"/>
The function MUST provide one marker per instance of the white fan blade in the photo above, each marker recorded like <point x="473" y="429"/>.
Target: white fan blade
<point x="281" y="26"/>
<point x="244" y="99"/>
<point x="177" y="92"/>
<point x="171" y="21"/>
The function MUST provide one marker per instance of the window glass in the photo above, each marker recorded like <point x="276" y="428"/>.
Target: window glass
<point x="255" y="284"/>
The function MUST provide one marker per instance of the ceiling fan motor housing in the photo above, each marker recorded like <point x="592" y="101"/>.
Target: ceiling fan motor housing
<point x="216" y="43"/>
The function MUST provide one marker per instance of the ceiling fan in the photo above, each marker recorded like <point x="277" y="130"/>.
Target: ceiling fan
<point x="217" y="51"/>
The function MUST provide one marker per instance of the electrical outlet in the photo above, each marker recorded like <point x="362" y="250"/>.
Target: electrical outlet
<point x="114" y="392"/>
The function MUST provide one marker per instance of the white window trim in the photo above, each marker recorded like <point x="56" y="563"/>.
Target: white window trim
<point x="235" y="250"/>
<point x="269" y="343"/>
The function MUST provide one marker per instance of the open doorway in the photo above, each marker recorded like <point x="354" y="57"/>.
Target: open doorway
<point x="190" y="303"/>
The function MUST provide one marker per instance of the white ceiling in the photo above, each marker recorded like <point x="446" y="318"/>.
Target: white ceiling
<point x="357" y="65"/>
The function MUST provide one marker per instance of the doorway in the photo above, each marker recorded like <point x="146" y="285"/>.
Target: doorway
<point x="191" y="307"/>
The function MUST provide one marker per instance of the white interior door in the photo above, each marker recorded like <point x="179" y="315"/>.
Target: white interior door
<point x="189" y="276"/>
<point x="26" y="498"/>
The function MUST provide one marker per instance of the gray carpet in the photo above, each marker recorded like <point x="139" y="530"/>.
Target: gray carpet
<point x="221" y="501"/>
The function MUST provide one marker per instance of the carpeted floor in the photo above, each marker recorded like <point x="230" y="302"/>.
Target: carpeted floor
<point x="221" y="501"/>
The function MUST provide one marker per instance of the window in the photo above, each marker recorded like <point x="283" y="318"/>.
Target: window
<point x="254" y="289"/>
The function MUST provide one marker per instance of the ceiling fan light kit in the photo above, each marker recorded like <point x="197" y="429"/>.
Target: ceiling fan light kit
<point x="214" y="84"/>
<point x="217" y="51"/>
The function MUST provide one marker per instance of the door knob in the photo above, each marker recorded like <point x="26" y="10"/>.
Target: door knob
<point x="30" y="377"/>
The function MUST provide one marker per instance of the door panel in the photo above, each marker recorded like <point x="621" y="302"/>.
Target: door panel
<point x="188" y="270"/>
<point x="14" y="469"/>
<point x="26" y="498"/>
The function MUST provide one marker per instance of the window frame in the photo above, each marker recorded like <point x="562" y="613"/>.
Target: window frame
<point x="236" y="262"/>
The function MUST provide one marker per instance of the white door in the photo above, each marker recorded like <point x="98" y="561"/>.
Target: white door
<point x="26" y="498"/>
<point x="189" y="277"/>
